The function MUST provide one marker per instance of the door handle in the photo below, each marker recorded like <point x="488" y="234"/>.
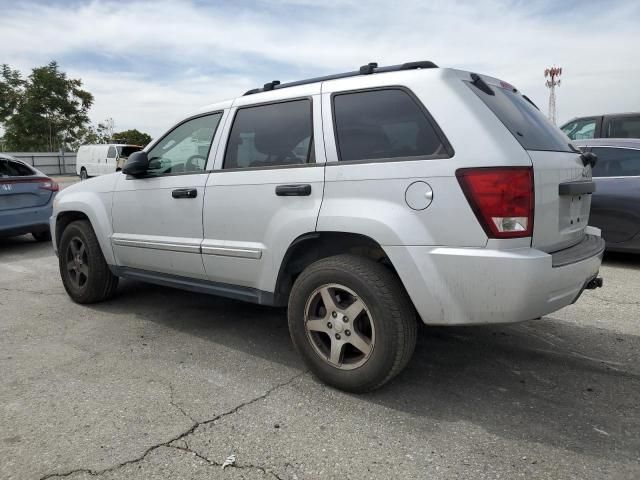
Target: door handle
<point x="301" y="190"/>
<point x="184" y="193"/>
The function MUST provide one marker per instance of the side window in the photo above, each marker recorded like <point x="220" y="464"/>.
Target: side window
<point x="112" y="152"/>
<point x="381" y="124"/>
<point x="14" y="169"/>
<point x="271" y="135"/>
<point x="580" y="129"/>
<point x="186" y="148"/>
<point x="616" y="162"/>
<point x="624" y="127"/>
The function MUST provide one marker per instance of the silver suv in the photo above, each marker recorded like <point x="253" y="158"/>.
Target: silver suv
<point x="363" y="201"/>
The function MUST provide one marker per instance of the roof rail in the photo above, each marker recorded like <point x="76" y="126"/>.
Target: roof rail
<point x="368" y="69"/>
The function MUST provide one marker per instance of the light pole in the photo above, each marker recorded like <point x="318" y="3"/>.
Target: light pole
<point x="553" y="80"/>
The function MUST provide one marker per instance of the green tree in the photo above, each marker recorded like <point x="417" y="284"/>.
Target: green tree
<point x="46" y="112"/>
<point x="133" y="137"/>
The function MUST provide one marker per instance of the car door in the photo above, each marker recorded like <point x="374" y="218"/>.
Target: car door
<point x="157" y="220"/>
<point x="615" y="205"/>
<point x="266" y="188"/>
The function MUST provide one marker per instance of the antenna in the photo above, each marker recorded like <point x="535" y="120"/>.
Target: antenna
<point x="553" y="80"/>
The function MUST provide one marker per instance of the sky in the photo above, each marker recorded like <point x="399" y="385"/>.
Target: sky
<point x="149" y="63"/>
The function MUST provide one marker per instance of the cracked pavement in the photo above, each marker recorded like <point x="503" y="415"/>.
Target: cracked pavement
<point x="160" y="383"/>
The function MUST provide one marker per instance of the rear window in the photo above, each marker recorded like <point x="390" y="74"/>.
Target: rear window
<point x="624" y="127"/>
<point x="530" y="127"/>
<point x="14" y="169"/>
<point x="383" y="124"/>
<point x="125" y="151"/>
<point x="616" y="162"/>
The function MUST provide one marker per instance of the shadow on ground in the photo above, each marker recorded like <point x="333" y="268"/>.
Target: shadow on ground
<point x="545" y="381"/>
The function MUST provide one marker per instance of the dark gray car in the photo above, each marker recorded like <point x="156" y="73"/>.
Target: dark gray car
<point x="26" y="199"/>
<point x="615" y="206"/>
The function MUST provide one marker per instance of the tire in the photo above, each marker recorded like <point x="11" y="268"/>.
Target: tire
<point x="387" y="322"/>
<point x="85" y="274"/>
<point x="42" y="236"/>
<point x="83" y="174"/>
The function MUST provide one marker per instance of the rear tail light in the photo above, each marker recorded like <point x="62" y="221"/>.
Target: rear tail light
<point x="48" y="184"/>
<point x="502" y="199"/>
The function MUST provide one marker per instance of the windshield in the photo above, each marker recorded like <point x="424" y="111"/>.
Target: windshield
<point x="527" y="124"/>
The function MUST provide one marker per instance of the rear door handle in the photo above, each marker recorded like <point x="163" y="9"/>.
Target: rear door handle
<point x="184" y="193"/>
<point x="301" y="190"/>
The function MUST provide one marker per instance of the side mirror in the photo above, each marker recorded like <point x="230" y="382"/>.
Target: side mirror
<point x="137" y="164"/>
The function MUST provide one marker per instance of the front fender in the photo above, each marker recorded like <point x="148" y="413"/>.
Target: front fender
<point x="97" y="208"/>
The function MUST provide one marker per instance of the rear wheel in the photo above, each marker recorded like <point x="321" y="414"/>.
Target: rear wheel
<point x="83" y="174"/>
<point x="85" y="274"/>
<point x="42" y="236"/>
<point x="352" y="322"/>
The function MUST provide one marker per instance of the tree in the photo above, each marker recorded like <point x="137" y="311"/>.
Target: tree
<point x="47" y="111"/>
<point x="133" y="137"/>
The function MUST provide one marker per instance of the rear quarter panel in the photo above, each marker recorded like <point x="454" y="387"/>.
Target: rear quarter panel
<point x="369" y="197"/>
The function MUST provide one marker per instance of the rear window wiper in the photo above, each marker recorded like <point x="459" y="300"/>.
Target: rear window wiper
<point x="480" y="84"/>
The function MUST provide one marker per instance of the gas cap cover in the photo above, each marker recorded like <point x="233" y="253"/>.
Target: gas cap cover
<point x="419" y="195"/>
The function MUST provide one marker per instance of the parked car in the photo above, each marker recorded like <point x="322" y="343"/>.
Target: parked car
<point x="94" y="160"/>
<point x="26" y="199"/>
<point x="357" y="200"/>
<point x="615" y="206"/>
<point x="613" y="125"/>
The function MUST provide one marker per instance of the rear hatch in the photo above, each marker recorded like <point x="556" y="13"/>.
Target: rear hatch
<point x="20" y="187"/>
<point x="560" y="219"/>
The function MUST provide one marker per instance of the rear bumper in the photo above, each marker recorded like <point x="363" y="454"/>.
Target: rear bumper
<point x="25" y="220"/>
<point x="463" y="286"/>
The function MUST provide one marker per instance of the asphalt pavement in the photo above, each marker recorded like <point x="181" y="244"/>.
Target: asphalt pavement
<point x="161" y="383"/>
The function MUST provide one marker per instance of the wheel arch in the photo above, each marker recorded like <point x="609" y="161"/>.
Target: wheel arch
<point x="313" y="246"/>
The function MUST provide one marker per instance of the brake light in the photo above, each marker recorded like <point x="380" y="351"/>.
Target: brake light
<point x="502" y="199"/>
<point x="48" y="184"/>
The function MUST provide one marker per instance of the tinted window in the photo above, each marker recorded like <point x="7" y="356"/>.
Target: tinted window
<point x="271" y="135"/>
<point x="14" y="169"/>
<point x="580" y="129"/>
<point x="383" y="124"/>
<point x="530" y="127"/>
<point x="616" y="162"/>
<point x="186" y="148"/>
<point x="112" y="152"/>
<point x="624" y="127"/>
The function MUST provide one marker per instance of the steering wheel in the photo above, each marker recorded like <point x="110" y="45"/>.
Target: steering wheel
<point x="189" y="165"/>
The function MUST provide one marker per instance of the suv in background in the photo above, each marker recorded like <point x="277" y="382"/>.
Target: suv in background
<point x="358" y="200"/>
<point x="615" y="125"/>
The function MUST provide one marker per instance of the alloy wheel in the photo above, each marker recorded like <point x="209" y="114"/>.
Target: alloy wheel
<point x="339" y="326"/>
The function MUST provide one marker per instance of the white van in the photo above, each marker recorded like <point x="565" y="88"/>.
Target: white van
<point x="93" y="160"/>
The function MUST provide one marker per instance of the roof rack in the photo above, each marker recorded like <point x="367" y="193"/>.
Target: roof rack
<point x="368" y="69"/>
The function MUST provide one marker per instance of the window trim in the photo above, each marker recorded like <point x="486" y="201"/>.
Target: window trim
<point x="591" y="147"/>
<point x="153" y="144"/>
<point x="449" y="151"/>
<point x="309" y="98"/>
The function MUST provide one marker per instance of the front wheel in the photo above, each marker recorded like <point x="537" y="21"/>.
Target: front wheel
<point x="85" y="274"/>
<point x="83" y="174"/>
<point x="352" y="321"/>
